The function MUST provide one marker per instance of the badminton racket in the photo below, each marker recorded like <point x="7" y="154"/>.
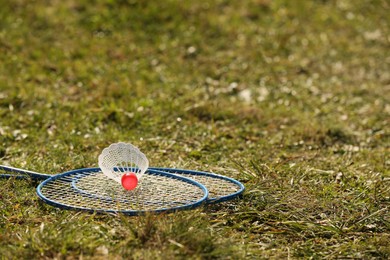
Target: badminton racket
<point x="90" y="190"/>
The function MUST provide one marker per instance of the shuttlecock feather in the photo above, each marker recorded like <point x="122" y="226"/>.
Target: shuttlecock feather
<point x="121" y="158"/>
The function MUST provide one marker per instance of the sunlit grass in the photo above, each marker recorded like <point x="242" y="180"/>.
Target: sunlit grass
<point x="289" y="97"/>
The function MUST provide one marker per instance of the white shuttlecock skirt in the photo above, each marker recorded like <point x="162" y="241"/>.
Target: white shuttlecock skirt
<point x="120" y="158"/>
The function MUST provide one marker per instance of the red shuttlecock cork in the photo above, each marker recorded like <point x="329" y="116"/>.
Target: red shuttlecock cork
<point x="129" y="181"/>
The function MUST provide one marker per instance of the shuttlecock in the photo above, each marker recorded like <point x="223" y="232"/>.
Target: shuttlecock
<point x="123" y="163"/>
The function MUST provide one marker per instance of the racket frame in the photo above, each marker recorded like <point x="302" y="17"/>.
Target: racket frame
<point x="126" y="212"/>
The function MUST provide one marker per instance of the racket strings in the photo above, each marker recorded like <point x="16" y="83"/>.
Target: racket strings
<point x="219" y="187"/>
<point x="216" y="187"/>
<point x="146" y="189"/>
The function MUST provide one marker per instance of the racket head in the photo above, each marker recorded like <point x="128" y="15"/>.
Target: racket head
<point x="221" y="188"/>
<point x="90" y="190"/>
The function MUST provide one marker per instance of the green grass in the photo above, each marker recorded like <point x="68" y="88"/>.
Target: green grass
<point x="289" y="97"/>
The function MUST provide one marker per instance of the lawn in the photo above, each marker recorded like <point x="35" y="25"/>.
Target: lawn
<point x="292" y="98"/>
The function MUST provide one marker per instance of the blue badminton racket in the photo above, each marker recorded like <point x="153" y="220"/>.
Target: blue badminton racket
<point x="90" y="190"/>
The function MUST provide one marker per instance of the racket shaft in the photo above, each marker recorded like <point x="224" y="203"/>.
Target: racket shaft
<point x="25" y="173"/>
